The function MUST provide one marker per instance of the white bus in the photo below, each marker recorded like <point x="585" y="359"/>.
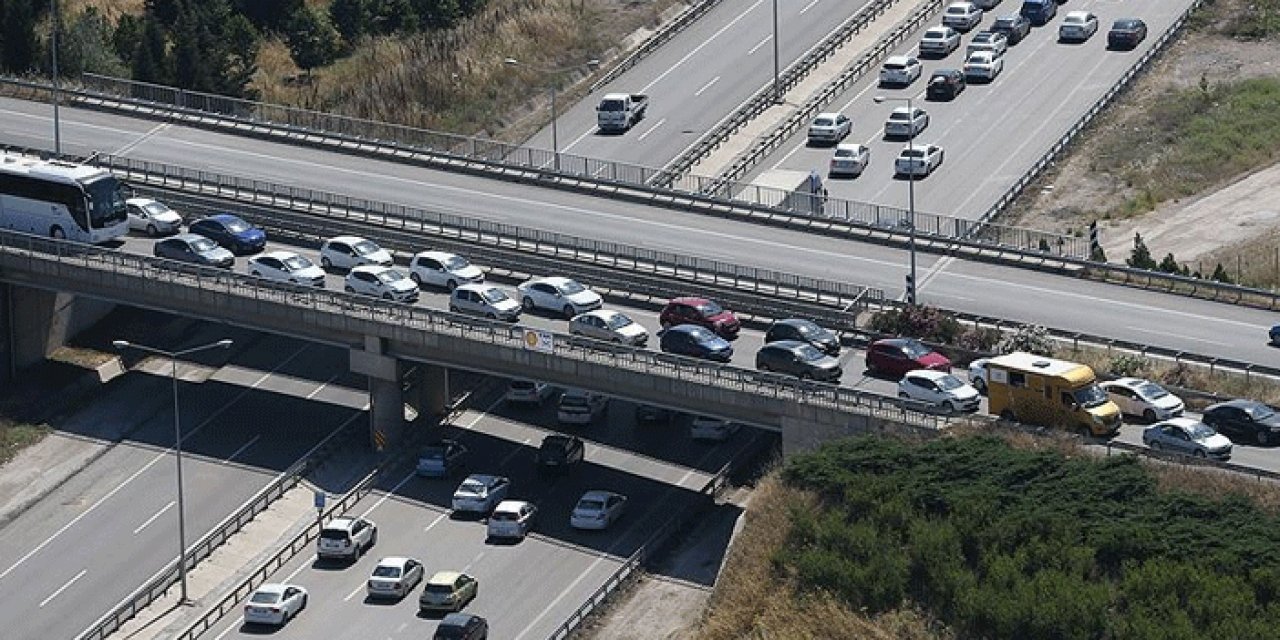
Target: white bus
<point x="61" y="200"/>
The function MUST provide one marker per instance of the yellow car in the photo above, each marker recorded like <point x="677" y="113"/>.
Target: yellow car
<point x="448" y="591"/>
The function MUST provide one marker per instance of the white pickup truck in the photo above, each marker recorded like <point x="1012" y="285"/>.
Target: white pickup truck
<point x="619" y="111"/>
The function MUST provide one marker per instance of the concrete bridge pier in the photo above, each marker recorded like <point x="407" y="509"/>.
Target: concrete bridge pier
<point x="429" y="390"/>
<point x="37" y="322"/>
<point x="386" y="391"/>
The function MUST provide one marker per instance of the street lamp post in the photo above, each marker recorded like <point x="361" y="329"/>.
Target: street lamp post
<point x="173" y="356"/>
<point x="777" y="87"/>
<point x="555" y="135"/>
<point x="53" y="50"/>
<point x="911" y="199"/>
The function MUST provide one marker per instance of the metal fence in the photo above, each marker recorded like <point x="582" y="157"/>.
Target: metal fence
<point x="160" y="584"/>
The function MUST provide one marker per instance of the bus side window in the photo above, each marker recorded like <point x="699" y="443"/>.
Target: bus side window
<point x="1017" y="380"/>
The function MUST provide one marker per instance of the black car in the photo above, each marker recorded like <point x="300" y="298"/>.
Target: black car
<point x="945" y="84"/>
<point x="799" y="359"/>
<point x="804" y="331"/>
<point x="651" y="414"/>
<point x="558" y="452"/>
<point x="1244" y="420"/>
<point x="462" y="626"/>
<point x="189" y="247"/>
<point x="441" y="459"/>
<point x="696" y="341"/>
<point x="1126" y="33"/>
<point x="1014" y="26"/>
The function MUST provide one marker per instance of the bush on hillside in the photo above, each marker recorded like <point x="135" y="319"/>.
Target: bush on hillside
<point x="1031" y="338"/>
<point x="917" y="321"/>
<point x="998" y="542"/>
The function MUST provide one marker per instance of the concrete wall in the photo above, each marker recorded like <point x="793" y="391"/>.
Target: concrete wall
<point x="814" y="427"/>
<point x="37" y="322"/>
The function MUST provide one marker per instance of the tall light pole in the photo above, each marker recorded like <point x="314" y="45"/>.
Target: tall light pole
<point x="177" y="440"/>
<point x="555" y="135"/>
<point x="57" y="133"/>
<point x="777" y="87"/>
<point x="911" y="197"/>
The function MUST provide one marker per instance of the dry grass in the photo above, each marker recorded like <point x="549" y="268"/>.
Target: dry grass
<point x="1223" y="383"/>
<point x="753" y="601"/>
<point x="16" y="437"/>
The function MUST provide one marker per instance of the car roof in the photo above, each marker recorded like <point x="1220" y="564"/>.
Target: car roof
<point x="689" y="300"/>
<point x="928" y="374"/>
<point x="600" y="313"/>
<point x="443" y="442"/>
<point x="1238" y="402"/>
<point x="510" y="505"/>
<point x="279" y="255"/>
<point x="393" y="561"/>
<point x="272" y="587"/>
<point x="139" y="201"/>
<point x="1127" y="22"/>
<point x="796" y="322"/>
<point x="342" y="522"/>
<point x="458" y="619"/>
<point x="598" y="494"/>
<point x="346" y="239"/>
<point x="559" y="437"/>
<point x="900" y="60"/>
<point x="937" y="30"/>
<point x="187" y="237"/>
<point x="1128" y="382"/>
<point x="897" y="342"/>
<point x="486" y="478"/>
<point x="827" y="114"/>
<point x="554" y="281"/>
<point x="788" y="345"/>
<point x="689" y="328"/>
<point x="479" y="287"/>
<point x="444" y="577"/>
<point x="224" y="217"/>
<point x="1180" y="421"/>
<point x="371" y="268"/>
<point x="435" y="254"/>
<point x="1078" y="14"/>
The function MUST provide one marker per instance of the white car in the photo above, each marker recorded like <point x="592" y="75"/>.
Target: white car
<point x="394" y="577"/>
<point x="346" y="537"/>
<point x="906" y="123"/>
<point x="829" y="127"/>
<point x="381" y="282"/>
<point x="992" y="41"/>
<point x="939" y="389"/>
<point x="286" y="266"/>
<point x="345" y="252"/>
<point x="1138" y="397"/>
<point x="918" y="160"/>
<point x="512" y="519"/>
<point x="1188" y="437"/>
<point x="597" y="510"/>
<point x="713" y="429"/>
<point x="978" y="374"/>
<point x="275" y="604"/>
<point x="900" y="70"/>
<point x="152" y="216"/>
<point x="939" y="41"/>
<point x="1077" y="26"/>
<point x="581" y="407"/>
<point x="480" y="493"/>
<point x="611" y="326"/>
<point x="962" y="16"/>
<point x="850" y="160"/>
<point x="443" y="269"/>
<point x="983" y="65"/>
<point x="528" y="392"/>
<point x="558" y="295"/>
<point x="484" y="300"/>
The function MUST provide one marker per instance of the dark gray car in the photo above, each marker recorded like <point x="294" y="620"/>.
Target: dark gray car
<point x="189" y="247"/>
<point x="804" y="331"/>
<point x="798" y="359"/>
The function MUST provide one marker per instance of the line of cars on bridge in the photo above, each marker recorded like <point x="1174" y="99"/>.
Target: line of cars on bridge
<point x="984" y="61"/>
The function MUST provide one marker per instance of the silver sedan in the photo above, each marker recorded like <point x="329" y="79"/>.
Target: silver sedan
<point x="610" y="326"/>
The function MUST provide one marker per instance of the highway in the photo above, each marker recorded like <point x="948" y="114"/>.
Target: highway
<point x="991" y="133"/>
<point x="527" y="588"/>
<point x="992" y="290"/>
<point x="77" y="553"/>
<point x="703" y="74"/>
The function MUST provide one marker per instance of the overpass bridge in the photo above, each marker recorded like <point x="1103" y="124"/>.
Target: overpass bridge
<point x="385" y="338"/>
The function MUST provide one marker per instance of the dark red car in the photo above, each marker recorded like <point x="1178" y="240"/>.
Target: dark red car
<point x="701" y="312"/>
<point x="896" y="356"/>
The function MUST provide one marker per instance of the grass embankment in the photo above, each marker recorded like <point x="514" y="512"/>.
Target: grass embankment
<point x="974" y="537"/>
<point x="16" y="437"/>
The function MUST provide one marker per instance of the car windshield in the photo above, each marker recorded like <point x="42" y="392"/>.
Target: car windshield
<point x="333" y="534"/>
<point x="590" y="504"/>
<point x="703" y="336"/>
<point x="203" y="244"/>
<point x="900" y="115"/>
<point x="1151" y="391"/>
<point x="570" y="287"/>
<point x="265" y="597"/>
<point x="935" y="34"/>
<point x="1200" y="431"/>
<point x="450" y="632"/>
<point x="1090" y="396"/>
<point x="1074" y="20"/>
<point x="949" y="382"/>
<point x="809" y="353"/>
<point x="294" y="263"/>
<point x="710" y="309"/>
<point x="455" y="263"/>
<point x="618" y="321"/>
<point x="364" y="248"/>
<point x="390" y="275"/>
<point x="915" y="349"/>
<point x="106" y="201"/>
<point x="384" y="571"/>
<point x="237" y="225"/>
<point x="809" y="330"/>
<point x="439" y="589"/>
<point x="895" y="66"/>
<point x="433" y="453"/>
<point x="471" y="486"/>
<point x="494" y="296"/>
<point x="824" y="122"/>
<point x="1259" y="411"/>
<point x="154" y="208"/>
<point x="612" y="105"/>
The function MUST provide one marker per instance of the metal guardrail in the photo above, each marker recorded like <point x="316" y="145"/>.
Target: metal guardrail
<point x="805" y="114"/>
<point x="317" y="312"/>
<point x="1007" y="198"/>
<point x="160" y="584"/>
<point x="691" y="13"/>
<point x="1191" y="460"/>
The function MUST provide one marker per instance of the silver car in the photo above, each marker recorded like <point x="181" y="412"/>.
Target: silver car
<point x="484" y="300"/>
<point x="849" y="160"/>
<point x="381" y="282"/>
<point x="152" y="216"/>
<point x="1188" y="437"/>
<point x="189" y="247"/>
<point x="906" y="123"/>
<point x="610" y="326"/>
<point x="829" y="127"/>
<point x="480" y="493"/>
<point x="394" y="577"/>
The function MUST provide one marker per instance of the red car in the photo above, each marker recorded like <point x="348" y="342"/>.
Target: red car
<point x="701" y="312"/>
<point x="896" y="356"/>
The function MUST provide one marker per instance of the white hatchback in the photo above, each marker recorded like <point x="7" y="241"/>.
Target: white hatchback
<point x="286" y="266"/>
<point x="442" y="269"/>
<point x="345" y="252"/>
<point x="152" y="216"/>
<point x="1139" y="397"/>
<point x="939" y="389"/>
<point x="558" y="295"/>
<point x="381" y="282"/>
<point x="900" y="70"/>
<point x="512" y="519"/>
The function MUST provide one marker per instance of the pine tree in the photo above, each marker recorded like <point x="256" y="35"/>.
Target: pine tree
<point x="269" y="15"/>
<point x="350" y="18"/>
<point x="1220" y="274"/>
<point x="242" y="43"/>
<point x="312" y="41"/>
<point x="1141" y="256"/>
<point x="150" y="58"/>
<point x="126" y="37"/>
<point x="192" y="64"/>
<point x="1169" y="264"/>
<point x="18" y="39"/>
<point x="85" y="46"/>
<point x="437" y="14"/>
<point x="392" y="16"/>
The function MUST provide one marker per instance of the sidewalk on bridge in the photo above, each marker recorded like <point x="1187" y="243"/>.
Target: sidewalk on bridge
<point x="723" y="156"/>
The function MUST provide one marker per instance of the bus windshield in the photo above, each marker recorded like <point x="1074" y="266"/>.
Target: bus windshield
<point x="106" y="202"/>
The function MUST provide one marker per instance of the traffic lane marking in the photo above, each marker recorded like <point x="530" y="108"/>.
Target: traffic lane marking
<point x="760" y="44"/>
<point x="64" y="587"/>
<point x="153" y="517"/>
<point x="651" y="130"/>
<point x="707" y="86"/>
<point x="241" y="450"/>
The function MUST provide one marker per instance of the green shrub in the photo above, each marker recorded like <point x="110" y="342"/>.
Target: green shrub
<point x="917" y="321"/>
<point x="1127" y="365"/>
<point x="1030" y="338"/>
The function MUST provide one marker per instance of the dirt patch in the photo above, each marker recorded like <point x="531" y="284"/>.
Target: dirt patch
<point x="1212" y="225"/>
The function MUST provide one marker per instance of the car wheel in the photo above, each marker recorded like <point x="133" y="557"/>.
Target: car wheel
<point x="151" y="230"/>
<point x="1263" y="438"/>
<point x="1155" y="446"/>
<point x="951" y="407"/>
<point x="1199" y="453"/>
<point x="304" y="603"/>
<point x="491" y="316"/>
<point x="255" y="274"/>
<point x="57" y="233"/>
<point x="1149" y="416"/>
<point x="453" y="308"/>
<point x="349" y="289"/>
<point x="373" y="539"/>
<point x="451" y="285"/>
<point x="527" y="303"/>
<point x="386" y="296"/>
<point x="417" y="279"/>
<point x="568" y="311"/>
<point x="326" y="263"/>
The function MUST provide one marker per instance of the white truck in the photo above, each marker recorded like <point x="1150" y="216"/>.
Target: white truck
<point x="620" y="111"/>
<point x="798" y="191"/>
